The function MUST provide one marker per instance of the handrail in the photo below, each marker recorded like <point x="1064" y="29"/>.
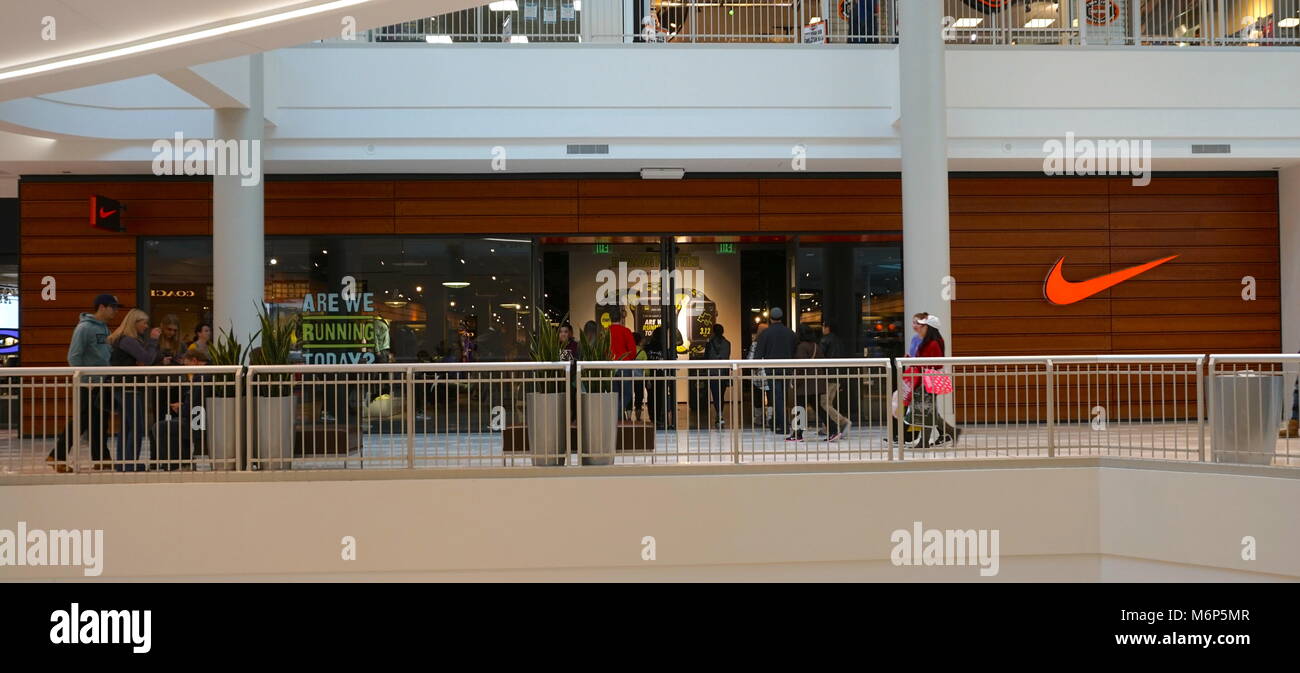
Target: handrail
<point x="493" y="413"/>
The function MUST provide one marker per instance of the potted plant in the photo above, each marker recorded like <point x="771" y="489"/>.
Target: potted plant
<point x="274" y="403"/>
<point x="545" y="413"/>
<point x="221" y="407"/>
<point x="600" y="403"/>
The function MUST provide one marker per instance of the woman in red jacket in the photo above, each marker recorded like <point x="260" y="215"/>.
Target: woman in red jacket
<point x="932" y="346"/>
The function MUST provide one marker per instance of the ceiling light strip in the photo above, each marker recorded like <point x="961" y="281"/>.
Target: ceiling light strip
<point x="179" y="39"/>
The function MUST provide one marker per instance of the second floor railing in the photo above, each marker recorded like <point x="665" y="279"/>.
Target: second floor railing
<point x="1253" y="23"/>
<point x="220" y="420"/>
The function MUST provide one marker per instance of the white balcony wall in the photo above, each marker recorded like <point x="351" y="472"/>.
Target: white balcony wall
<point x="441" y="108"/>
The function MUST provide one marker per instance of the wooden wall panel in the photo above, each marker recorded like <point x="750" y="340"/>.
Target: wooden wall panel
<point x="1006" y="232"/>
<point x="1222" y="229"/>
<point x="56" y="240"/>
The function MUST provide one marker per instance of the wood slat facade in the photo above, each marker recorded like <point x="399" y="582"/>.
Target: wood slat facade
<point x="1006" y="232"/>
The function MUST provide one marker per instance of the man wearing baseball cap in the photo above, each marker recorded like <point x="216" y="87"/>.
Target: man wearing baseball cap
<point x="89" y="348"/>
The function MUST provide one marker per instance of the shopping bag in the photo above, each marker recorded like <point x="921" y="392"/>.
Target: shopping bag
<point x="936" y="383"/>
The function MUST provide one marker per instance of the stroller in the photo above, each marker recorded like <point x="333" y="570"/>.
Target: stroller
<point x="923" y="425"/>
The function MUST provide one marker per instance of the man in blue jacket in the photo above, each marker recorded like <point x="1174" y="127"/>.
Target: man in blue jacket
<point x="89" y="348"/>
<point x="777" y="343"/>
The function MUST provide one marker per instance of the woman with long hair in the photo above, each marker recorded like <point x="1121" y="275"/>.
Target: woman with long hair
<point x="133" y="344"/>
<point x="202" y="339"/>
<point x="169" y="341"/>
<point x="925" y="407"/>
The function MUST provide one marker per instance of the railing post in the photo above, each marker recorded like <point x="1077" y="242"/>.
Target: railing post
<point x="737" y="394"/>
<point x="1204" y="389"/>
<point x="243" y="417"/>
<point x="1051" y="409"/>
<point x="570" y="367"/>
<point x="902" y="419"/>
<point x="410" y="417"/>
<point x="889" y="411"/>
<point x="1220" y="24"/>
<point x="1081" y="10"/>
<point x="71" y="441"/>
<point x="1135" y="20"/>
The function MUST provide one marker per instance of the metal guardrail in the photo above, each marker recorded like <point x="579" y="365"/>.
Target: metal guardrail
<point x="831" y="411"/>
<point x="221" y="419"/>
<point x="1253" y="23"/>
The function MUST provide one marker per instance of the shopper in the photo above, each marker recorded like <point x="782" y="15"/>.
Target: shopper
<point x="169" y="340"/>
<point x="569" y="353"/>
<point x="202" y="339"/>
<point x="134" y="344"/>
<point x="89" y="348"/>
<point x="776" y="342"/>
<point x="805" y="390"/>
<point x="918" y="329"/>
<point x="925" y="411"/>
<point x="568" y="345"/>
<point x="171" y="440"/>
<point x="663" y="386"/>
<point x="761" y="409"/>
<point x="718" y="348"/>
<point x="622" y="347"/>
<point x="639" y="384"/>
<point x="837" y="424"/>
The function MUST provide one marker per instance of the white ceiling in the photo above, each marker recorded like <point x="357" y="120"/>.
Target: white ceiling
<point x="88" y="26"/>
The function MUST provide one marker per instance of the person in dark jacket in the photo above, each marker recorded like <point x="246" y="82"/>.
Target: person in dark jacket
<point x="718" y="348"/>
<point x="663" y="386"/>
<point x="805" y="390"/>
<point x="837" y="424"/>
<point x="134" y="344"/>
<point x="776" y="342"/>
<point x="89" y="348"/>
<point x="568" y="345"/>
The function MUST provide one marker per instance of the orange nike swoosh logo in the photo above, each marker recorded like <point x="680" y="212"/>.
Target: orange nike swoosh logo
<point x="105" y="213"/>
<point x="1058" y="290"/>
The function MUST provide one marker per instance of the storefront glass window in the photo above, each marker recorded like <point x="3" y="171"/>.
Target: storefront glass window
<point x="419" y="299"/>
<point x="856" y="287"/>
<point x="177" y="281"/>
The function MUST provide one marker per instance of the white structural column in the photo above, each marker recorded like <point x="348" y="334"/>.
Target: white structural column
<point x="1288" y="212"/>
<point x="237" y="222"/>
<point x="923" y="111"/>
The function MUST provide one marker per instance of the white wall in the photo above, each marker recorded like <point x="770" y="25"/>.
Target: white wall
<point x="435" y="108"/>
<point x="1065" y="520"/>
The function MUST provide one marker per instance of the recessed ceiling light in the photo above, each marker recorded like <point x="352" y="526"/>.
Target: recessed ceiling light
<point x="504" y="6"/>
<point x="456" y="284"/>
<point x="1289" y="22"/>
<point x="1039" y="23"/>
<point x="967" y="23"/>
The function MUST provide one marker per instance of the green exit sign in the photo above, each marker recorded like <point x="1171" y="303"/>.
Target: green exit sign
<point x="726" y="248"/>
<point x="602" y="248"/>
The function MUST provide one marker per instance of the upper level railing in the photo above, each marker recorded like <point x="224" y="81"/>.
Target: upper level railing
<point x="216" y="420"/>
<point x="1252" y="23"/>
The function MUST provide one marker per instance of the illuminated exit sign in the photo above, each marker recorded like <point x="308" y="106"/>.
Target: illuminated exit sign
<point x="602" y="248"/>
<point x="726" y="248"/>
